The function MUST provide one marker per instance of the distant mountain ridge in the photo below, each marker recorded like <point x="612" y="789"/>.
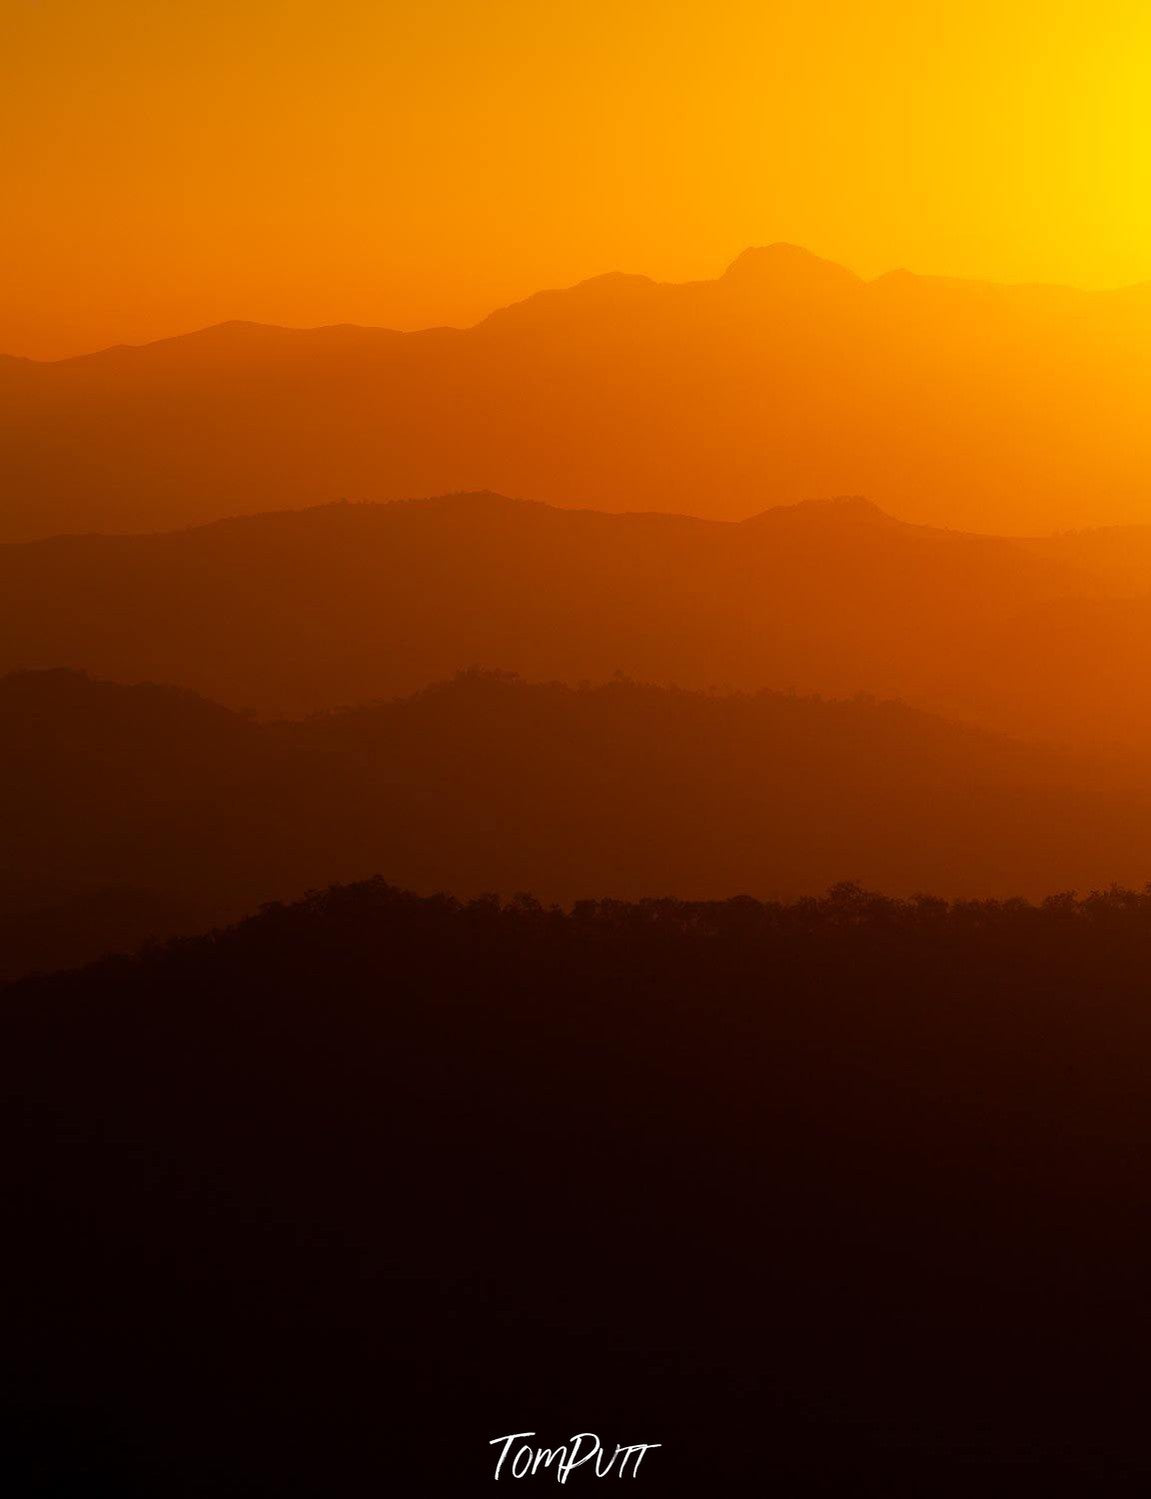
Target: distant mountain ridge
<point x="139" y="811"/>
<point x="996" y="408"/>
<point x="293" y="611"/>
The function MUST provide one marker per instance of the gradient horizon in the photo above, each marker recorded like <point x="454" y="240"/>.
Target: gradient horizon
<point x="407" y="166"/>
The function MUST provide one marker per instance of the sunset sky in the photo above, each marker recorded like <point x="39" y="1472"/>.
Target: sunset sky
<point x="169" y="165"/>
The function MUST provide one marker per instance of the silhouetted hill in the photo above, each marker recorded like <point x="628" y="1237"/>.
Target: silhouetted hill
<point x="136" y="811"/>
<point x="847" y="1196"/>
<point x="1002" y="408"/>
<point x="298" y="610"/>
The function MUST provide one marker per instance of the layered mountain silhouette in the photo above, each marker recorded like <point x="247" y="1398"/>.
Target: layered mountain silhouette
<point x="666" y="1139"/>
<point x="958" y="403"/>
<point x="132" y="812"/>
<point x="295" y="611"/>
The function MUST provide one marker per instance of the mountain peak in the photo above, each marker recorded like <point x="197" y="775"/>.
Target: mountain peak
<point x="839" y="509"/>
<point x="786" y="265"/>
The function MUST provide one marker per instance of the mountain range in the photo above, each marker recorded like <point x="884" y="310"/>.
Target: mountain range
<point x="997" y="408"/>
<point x="478" y="1016"/>
<point x="137" y="812"/>
<point x="291" y="612"/>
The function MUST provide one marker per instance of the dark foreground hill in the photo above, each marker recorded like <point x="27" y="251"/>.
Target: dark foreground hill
<point x="957" y="403"/>
<point x="289" y="612"/>
<point x="843" y="1197"/>
<point x="131" y="812"/>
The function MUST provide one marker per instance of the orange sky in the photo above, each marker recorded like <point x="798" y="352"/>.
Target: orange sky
<point x="169" y="164"/>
